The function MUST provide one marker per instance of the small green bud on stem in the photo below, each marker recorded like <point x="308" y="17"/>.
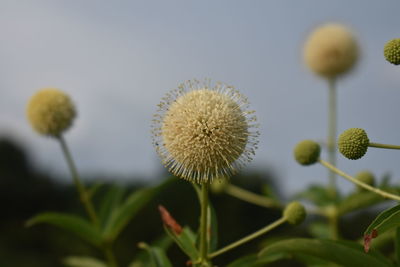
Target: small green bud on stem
<point x="294" y="213"/>
<point x="353" y="143"/>
<point x="307" y="152"/>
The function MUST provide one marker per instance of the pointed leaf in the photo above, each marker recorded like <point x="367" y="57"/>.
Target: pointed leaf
<point x="186" y="240"/>
<point x="110" y="202"/>
<point x="142" y="259"/>
<point x="386" y="220"/>
<point x="338" y="252"/>
<point x="158" y="257"/>
<point x="121" y="215"/>
<point x="94" y="189"/>
<point x="248" y="261"/>
<point x="74" y="224"/>
<point x="78" y="261"/>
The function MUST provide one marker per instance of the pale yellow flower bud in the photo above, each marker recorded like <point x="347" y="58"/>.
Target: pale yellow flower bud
<point x="50" y="112"/>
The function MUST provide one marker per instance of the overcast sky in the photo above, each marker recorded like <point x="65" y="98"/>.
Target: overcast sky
<point x="117" y="59"/>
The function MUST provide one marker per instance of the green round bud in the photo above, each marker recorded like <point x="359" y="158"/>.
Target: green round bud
<point x="392" y="51"/>
<point x="307" y="152"/>
<point x="366" y="177"/>
<point x="294" y="213"/>
<point x="219" y="186"/>
<point x="353" y="143"/>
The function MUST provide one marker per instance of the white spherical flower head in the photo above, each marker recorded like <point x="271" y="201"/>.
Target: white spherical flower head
<point x="202" y="133"/>
<point x="331" y="50"/>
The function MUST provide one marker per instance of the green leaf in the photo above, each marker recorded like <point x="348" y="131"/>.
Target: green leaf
<point x="110" y="201"/>
<point x="94" y="189"/>
<point x="338" y="252"/>
<point x="359" y="200"/>
<point x="397" y="244"/>
<point x="122" y="214"/>
<point x="249" y="261"/>
<point x="385" y="220"/>
<point x="319" y="230"/>
<point x="78" y="261"/>
<point x="158" y="257"/>
<point x="186" y="240"/>
<point x="142" y="259"/>
<point x="71" y="223"/>
<point x="319" y="195"/>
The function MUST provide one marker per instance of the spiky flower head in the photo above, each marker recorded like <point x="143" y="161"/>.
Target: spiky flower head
<point x="294" y="213"/>
<point x="331" y="50"/>
<point x="202" y="133"/>
<point x="353" y="143"/>
<point x="366" y="177"/>
<point x="392" y="51"/>
<point x="307" y="152"/>
<point x="50" y="112"/>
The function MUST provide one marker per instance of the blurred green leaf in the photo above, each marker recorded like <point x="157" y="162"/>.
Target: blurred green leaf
<point x="142" y="259"/>
<point x="318" y="195"/>
<point x="385" y="180"/>
<point x="385" y="220"/>
<point x="249" y="261"/>
<point x="94" y="189"/>
<point x="338" y="252"/>
<point x="121" y="215"/>
<point x="319" y="230"/>
<point x="158" y="257"/>
<point x="268" y="191"/>
<point x="110" y="202"/>
<point x="71" y="223"/>
<point x="186" y="240"/>
<point x="79" y="261"/>
<point x="397" y="245"/>
<point x="359" y="200"/>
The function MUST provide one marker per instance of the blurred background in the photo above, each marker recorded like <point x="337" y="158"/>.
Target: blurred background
<point x="118" y="59"/>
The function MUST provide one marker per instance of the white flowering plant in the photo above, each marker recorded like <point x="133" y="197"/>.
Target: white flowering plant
<point x="204" y="134"/>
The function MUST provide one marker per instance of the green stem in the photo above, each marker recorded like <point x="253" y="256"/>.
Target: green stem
<point x="251" y="197"/>
<point x="332" y="125"/>
<point x="112" y="262"/>
<point x="333" y="219"/>
<point x="203" y="223"/>
<point x="85" y="199"/>
<point x="357" y="182"/>
<point x="248" y="238"/>
<point x="384" y="146"/>
<point x="83" y="194"/>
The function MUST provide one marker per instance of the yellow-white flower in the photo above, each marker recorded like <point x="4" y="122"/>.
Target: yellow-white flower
<point x="331" y="50"/>
<point x="202" y="133"/>
<point x="50" y="112"/>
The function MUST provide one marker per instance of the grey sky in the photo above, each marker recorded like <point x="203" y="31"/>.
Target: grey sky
<point x="118" y="58"/>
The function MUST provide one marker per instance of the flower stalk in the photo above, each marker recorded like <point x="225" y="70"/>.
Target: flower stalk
<point x="83" y="194"/>
<point x="251" y="197"/>
<point x="359" y="183"/>
<point x="332" y="125"/>
<point x="203" y="223"/>
<point x="385" y="146"/>
<point x="248" y="238"/>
